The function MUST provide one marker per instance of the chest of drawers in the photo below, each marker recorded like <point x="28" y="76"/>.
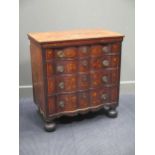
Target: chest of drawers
<point x="75" y="72"/>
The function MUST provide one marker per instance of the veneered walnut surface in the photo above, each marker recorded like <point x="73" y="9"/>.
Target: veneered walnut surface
<point x="49" y="37"/>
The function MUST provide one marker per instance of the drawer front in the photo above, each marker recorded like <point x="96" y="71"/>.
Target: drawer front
<point x="66" y="66"/>
<point x="62" y="103"/>
<point x="83" y="66"/>
<point x="66" y="102"/>
<point x="66" y="83"/>
<point x="58" y="84"/>
<point x="105" y="77"/>
<point x="80" y="100"/>
<point x="83" y="51"/>
<point x="70" y="102"/>
<point x="69" y="52"/>
<point x="104" y="62"/>
<point x="83" y="81"/>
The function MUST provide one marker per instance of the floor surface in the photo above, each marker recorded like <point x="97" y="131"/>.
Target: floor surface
<point x="91" y="134"/>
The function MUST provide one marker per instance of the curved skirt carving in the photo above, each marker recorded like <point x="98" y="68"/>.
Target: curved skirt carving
<point x="79" y="111"/>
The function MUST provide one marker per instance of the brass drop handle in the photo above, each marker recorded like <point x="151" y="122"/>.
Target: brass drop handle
<point x="84" y="50"/>
<point x="61" y="85"/>
<point x="60" y="69"/>
<point x="60" y="53"/>
<point x="61" y="104"/>
<point x="104" y="96"/>
<point x="105" y="79"/>
<point x="105" y="49"/>
<point x="105" y="63"/>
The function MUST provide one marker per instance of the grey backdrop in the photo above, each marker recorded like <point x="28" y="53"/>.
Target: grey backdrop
<point x="51" y="15"/>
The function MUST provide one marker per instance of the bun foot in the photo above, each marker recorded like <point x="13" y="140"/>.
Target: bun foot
<point x="50" y="127"/>
<point x="112" y="113"/>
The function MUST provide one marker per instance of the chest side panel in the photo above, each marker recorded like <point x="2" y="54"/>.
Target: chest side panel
<point x="37" y="76"/>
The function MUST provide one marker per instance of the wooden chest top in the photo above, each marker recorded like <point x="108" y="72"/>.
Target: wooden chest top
<point x="51" y="37"/>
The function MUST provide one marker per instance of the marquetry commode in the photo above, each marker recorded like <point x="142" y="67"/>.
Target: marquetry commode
<point x="75" y="72"/>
